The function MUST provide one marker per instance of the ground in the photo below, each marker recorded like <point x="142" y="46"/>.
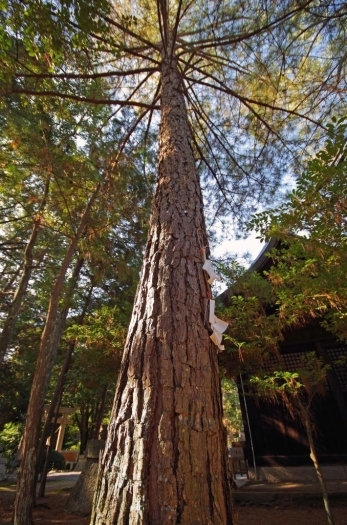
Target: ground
<point x="50" y="510"/>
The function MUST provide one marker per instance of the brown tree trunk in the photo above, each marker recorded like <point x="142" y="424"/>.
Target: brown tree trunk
<point x="65" y="367"/>
<point x="26" y="479"/>
<point x="24" y="279"/>
<point x="44" y="473"/>
<point x="82" y="423"/>
<point x="98" y="415"/>
<point x="165" y="459"/>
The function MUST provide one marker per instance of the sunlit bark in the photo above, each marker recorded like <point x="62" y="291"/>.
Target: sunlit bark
<point x="165" y="458"/>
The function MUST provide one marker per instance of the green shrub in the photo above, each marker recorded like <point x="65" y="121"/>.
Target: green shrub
<point x="10" y="438"/>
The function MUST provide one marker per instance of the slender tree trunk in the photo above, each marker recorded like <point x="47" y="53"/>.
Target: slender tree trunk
<point x="42" y="487"/>
<point x="314" y="458"/>
<point x="52" y="412"/>
<point x="64" y="370"/>
<point x="165" y="460"/>
<point x="83" y="428"/>
<point x="24" y="279"/>
<point x="99" y="414"/>
<point x="26" y="479"/>
<point x="82" y="423"/>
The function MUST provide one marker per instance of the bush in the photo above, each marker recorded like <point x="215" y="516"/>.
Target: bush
<point x="10" y="438"/>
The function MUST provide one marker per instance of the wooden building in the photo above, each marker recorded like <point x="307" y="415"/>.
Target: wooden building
<point x="273" y="437"/>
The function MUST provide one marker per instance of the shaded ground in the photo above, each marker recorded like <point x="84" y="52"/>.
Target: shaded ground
<point x="288" y="515"/>
<point x="50" y="510"/>
<point x="274" y="510"/>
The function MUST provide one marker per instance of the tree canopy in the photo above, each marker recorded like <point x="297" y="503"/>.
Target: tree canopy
<point x="310" y="266"/>
<point x="258" y="78"/>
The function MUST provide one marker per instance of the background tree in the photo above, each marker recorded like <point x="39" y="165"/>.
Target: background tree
<point x="306" y="279"/>
<point x="62" y="215"/>
<point x="231" y="409"/>
<point x="261" y="80"/>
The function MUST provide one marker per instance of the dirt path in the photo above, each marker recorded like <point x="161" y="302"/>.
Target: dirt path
<point x="50" y="511"/>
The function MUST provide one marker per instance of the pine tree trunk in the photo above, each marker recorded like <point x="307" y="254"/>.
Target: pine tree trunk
<point x="165" y="458"/>
<point x="66" y="365"/>
<point x="99" y="414"/>
<point x="82" y="423"/>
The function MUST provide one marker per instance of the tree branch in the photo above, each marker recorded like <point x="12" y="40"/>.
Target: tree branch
<point x="223" y="88"/>
<point x="130" y="33"/>
<point x="201" y="113"/>
<point x="87" y="75"/>
<point x="223" y="41"/>
<point x="108" y="102"/>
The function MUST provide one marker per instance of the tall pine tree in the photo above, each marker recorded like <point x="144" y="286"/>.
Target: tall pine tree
<point x="242" y="86"/>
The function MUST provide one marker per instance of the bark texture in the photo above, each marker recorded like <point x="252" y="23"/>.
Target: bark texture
<point x="165" y="458"/>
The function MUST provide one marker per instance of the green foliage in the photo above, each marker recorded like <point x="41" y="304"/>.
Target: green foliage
<point x="71" y="438"/>
<point x="57" y="144"/>
<point x="231" y="409"/>
<point x="48" y="33"/>
<point x="15" y="382"/>
<point x="254" y="98"/>
<point x="307" y="280"/>
<point x="99" y="351"/>
<point x="294" y="388"/>
<point x="309" y="274"/>
<point x="10" y="438"/>
<point x="253" y="326"/>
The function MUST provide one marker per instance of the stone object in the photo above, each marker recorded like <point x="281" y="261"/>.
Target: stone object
<point x="82" y="495"/>
<point x="3" y="473"/>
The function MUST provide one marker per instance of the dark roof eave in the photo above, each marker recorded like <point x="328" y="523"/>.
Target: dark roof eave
<point x="258" y="265"/>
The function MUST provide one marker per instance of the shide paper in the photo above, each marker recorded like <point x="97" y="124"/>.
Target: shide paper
<point x="218" y="326"/>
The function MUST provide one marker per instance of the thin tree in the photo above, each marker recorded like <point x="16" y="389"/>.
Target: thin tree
<point x="46" y="356"/>
<point x="297" y="391"/>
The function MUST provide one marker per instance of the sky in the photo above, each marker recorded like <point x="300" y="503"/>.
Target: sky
<point x="250" y="245"/>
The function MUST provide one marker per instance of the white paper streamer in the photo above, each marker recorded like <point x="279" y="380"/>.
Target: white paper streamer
<point x="218" y="326"/>
<point x="209" y="269"/>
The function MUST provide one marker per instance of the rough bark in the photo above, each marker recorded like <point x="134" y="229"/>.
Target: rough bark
<point x="26" y="478"/>
<point x="165" y="459"/>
